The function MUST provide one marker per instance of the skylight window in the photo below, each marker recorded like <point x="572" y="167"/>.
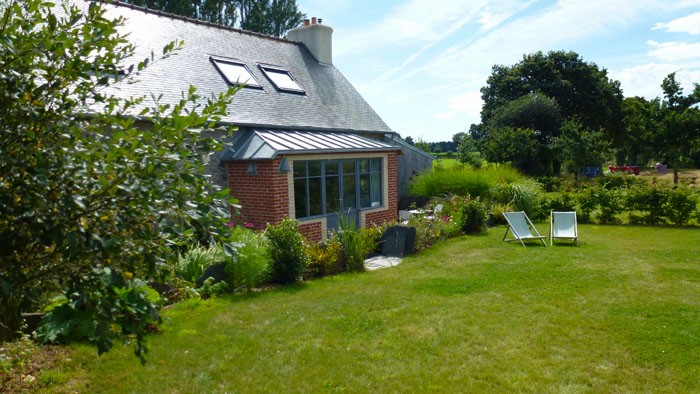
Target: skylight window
<point x="235" y="73"/>
<point x="282" y="79"/>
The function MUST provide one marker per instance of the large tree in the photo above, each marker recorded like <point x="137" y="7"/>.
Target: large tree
<point x="272" y="17"/>
<point x="535" y="112"/>
<point x="642" y="121"/>
<point x="581" y="89"/>
<point x="91" y="205"/>
<point x="679" y="136"/>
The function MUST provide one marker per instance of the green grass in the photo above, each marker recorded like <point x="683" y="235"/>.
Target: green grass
<point x="618" y="313"/>
<point x="461" y="180"/>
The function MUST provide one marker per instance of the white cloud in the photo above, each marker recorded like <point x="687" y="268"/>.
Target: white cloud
<point x="468" y="103"/>
<point x="674" y="51"/>
<point x="688" y="24"/>
<point x="645" y="80"/>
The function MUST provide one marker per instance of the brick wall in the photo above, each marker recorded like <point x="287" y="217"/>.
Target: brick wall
<point x="312" y="230"/>
<point x="267" y="197"/>
<point x="264" y="197"/>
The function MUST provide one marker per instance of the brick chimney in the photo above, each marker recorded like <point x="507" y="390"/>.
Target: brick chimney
<point x="317" y="38"/>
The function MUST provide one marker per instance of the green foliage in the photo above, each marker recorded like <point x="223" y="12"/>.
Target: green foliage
<point x="550" y="183"/>
<point x="519" y="196"/>
<point x="462" y="181"/>
<point x="473" y="216"/>
<point x="496" y="213"/>
<point x="287" y="251"/>
<point x="191" y="264"/>
<point x="114" y="306"/>
<point x="210" y="289"/>
<point x="657" y="202"/>
<point x="272" y="17"/>
<point x="641" y="122"/>
<point x="579" y="88"/>
<point x="469" y="152"/>
<point x="518" y="147"/>
<point x="356" y="243"/>
<point x="324" y="258"/>
<point x="680" y="204"/>
<point x="563" y="202"/>
<point x="679" y="135"/>
<point x="83" y="194"/>
<point x="609" y="203"/>
<point x="251" y="265"/>
<point x="580" y="147"/>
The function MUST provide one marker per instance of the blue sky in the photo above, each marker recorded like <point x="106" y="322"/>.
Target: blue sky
<point x="421" y="63"/>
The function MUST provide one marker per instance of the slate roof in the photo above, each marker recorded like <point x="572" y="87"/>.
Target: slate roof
<point x="267" y="144"/>
<point x="331" y="103"/>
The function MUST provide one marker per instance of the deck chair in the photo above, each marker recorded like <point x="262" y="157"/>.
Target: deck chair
<point x="563" y="225"/>
<point x="521" y="227"/>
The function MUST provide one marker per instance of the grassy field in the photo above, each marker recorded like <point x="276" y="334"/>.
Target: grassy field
<point x="618" y="313"/>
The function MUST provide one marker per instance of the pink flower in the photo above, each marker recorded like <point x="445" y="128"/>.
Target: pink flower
<point x="249" y="225"/>
<point x="229" y="224"/>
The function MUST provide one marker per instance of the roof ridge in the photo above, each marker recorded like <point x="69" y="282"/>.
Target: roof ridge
<point x="119" y="3"/>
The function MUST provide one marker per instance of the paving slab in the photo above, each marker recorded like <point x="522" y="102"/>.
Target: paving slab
<point x="378" y="262"/>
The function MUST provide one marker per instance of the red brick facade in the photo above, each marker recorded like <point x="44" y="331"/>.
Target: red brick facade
<point x="264" y="197"/>
<point x="313" y="231"/>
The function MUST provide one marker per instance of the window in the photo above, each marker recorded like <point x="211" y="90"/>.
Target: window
<point x="282" y="79"/>
<point x="235" y="73"/>
<point x="326" y="186"/>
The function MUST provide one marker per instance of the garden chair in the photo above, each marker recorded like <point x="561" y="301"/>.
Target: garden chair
<point x="563" y="225"/>
<point x="521" y="227"/>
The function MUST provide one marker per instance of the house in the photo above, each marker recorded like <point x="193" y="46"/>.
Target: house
<point x="308" y="146"/>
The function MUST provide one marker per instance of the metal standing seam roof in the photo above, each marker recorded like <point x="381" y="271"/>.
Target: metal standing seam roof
<point x="264" y="144"/>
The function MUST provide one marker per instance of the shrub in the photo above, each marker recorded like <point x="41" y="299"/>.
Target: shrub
<point x="563" y="202"/>
<point x="549" y="183"/>
<point x="462" y="181"/>
<point x="519" y="196"/>
<point x="680" y="204"/>
<point x="130" y="303"/>
<point x="287" y="251"/>
<point x="609" y="203"/>
<point x="356" y="244"/>
<point x="647" y="199"/>
<point x="658" y="202"/>
<point x="496" y="213"/>
<point x="192" y="264"/>
<point x="324" y="258"/>
<point x="427" y="232"/>
<point x="250" y="266"/>
<point x="210" y="289"/>
<point x="473" y="217"/>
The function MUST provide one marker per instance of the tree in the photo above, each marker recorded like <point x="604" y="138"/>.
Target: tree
<point x="679" y="135"/>
<point x="409" y="140"/>
<point x="641" y="120"/>
<point x="272" y="17"/>
<point x="457" y="138"/>
<point x="580" y="89"/>
<point x="468" y="152"/>
<point x="540" y="114"/>
<point x="422" y="145"/>
<point x="580" y="147"/>
<point x="512" y="145"/>
<point x="92" y="206"/>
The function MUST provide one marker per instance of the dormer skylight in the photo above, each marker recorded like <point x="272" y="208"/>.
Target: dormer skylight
<point x="235" y="73"/>
<point x="282" y="79"/>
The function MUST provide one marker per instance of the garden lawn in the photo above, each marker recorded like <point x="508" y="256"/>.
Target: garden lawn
<point x="618" y="313"/>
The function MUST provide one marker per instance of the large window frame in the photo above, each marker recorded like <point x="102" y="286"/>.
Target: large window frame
<point x="352" y="182"/>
